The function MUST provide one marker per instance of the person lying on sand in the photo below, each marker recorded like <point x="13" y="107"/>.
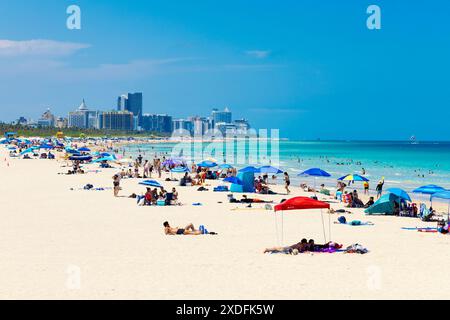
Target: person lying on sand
<point x="306" y="246"/>
<point x="302" y="246"/>
<point x="246" y="199"/>
<point x="189" y="230"/>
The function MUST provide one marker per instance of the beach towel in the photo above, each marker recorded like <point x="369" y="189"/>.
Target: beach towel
<point x="221" y="189"/>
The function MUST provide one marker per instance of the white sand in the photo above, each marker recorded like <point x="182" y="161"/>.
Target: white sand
<point x="48" y="233"/>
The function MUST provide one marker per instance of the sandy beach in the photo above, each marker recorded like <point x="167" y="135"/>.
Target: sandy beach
<point x="58" y="243"/>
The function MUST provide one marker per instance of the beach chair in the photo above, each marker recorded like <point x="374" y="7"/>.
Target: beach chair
<point x="425" y="214"/>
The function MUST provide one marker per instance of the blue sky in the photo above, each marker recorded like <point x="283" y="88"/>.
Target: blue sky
<point x="310" y="68"/>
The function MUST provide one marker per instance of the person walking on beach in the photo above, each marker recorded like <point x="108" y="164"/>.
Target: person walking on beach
<point x="147" y="169"/>
<point x="287" y="182"/>
<point x="116" y="184"/>
<point x="379" y="188"/>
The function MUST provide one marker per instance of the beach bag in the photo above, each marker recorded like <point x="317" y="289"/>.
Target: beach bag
<point x="342" y="220"/>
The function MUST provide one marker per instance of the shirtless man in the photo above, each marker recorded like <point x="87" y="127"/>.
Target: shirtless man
<point x="188" y="231"/>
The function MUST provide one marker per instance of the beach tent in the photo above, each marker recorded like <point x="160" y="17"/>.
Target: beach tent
<point x="401" y="194"/>
<point x="384" y="205"/>
<point x="248" y="183"/>
<point x="301" y="203"/>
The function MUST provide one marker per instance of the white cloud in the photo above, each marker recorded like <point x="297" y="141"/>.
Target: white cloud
<point x="259" y="54"/>
<point x="39" y="48"/>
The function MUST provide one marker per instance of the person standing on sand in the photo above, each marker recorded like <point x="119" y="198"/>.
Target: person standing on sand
<point x="287" y="182"/>
<point x="379" y="188"/>
<point x="116" y="184"/>
<point x="366" y="187"/>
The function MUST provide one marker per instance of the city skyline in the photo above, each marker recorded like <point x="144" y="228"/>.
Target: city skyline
<point x="294" y="66"/>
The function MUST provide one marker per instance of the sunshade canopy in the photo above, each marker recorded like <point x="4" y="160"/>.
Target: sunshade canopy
<point x="301" y="203"/>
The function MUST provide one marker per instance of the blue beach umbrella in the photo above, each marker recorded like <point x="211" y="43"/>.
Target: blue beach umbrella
<point x="444" y="195"/>
<point x="429" y="189"/>
<point x="402" y="194"/>
<point x="315" y="172"/>
<point x="207" y="164"/>
<point x="225" y="166"/>
<point x="269" y="170"/>
<point x="84" y="149"/>
<point x="151" y="183"/>
<point x="109" y="158"/>
<point x="180" y="170"/>
<point x="45" y="146"/>
<point x="250" y="169"/>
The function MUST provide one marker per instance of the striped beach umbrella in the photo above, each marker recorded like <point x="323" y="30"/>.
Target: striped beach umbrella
<point x="353" y="177"/>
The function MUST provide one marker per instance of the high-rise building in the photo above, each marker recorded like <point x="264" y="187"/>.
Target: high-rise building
<point x="161" y="123"/>
<point x="182" y="126"/>
<point x="83" y="118"/>
<point x="224" y="116"/>
<point x="117" y="120"/>
<point x="132" y="102"/>
<point x="47" y="119"/>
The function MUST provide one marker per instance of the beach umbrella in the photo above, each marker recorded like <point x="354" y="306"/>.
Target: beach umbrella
<point x="151" y="183"/>
<point x="353" y="177"/>
<point x="402" y="194"/>
<point x="226" y="166"/>
<point x="234" y="180"/>
<point x="250" y="169"/>
<point x="180" y="170"/>
<point x="314" y="172"/>
<point x="45" y="146"/>
<point x="84" y="149"/>
<point x="445" y="195"/>
<point x="429" y="189"/>
<point x="207" y="164"/>
<point x="109" y="158"/>
<point x="29" y="150"/>
<point x="269" y="170"/>
<point x="80" y="158"/>
<point x="301" y="203"/>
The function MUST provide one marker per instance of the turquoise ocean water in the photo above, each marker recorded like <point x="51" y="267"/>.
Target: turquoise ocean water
<point x="402" y="164"/>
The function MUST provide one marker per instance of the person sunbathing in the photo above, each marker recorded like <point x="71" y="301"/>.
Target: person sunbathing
<point x="298" y="248"/>
<point x="246" y="199"/>
<point x="189" y="230"/>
